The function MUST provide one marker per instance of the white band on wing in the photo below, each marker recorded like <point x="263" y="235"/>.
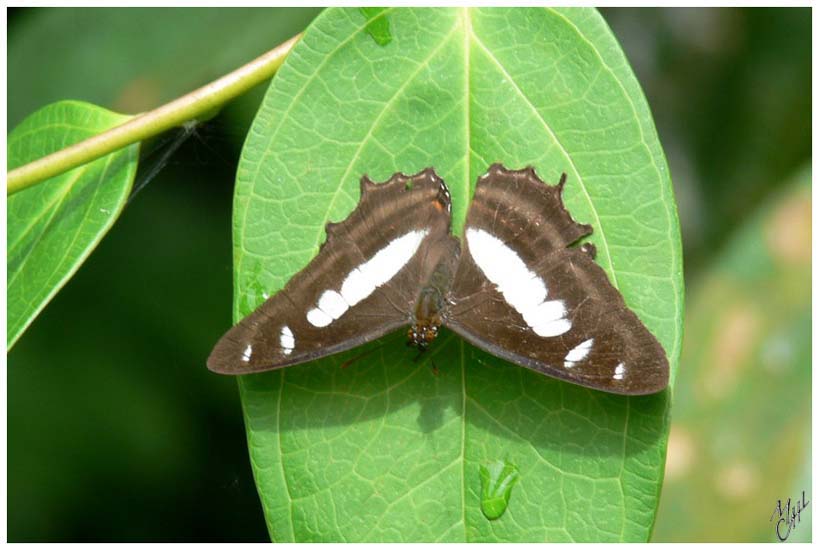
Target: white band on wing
<point x="521" y="288"/>
<point x="364" y="279"/>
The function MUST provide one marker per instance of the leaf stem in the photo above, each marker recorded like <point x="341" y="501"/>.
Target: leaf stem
<point x="145" y="125"/>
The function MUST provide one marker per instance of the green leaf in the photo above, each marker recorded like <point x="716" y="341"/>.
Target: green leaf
<point x="54" y="226"/>
<point x="378" y="27"/>
<point x="748" y="363"/>
<point x="497" y="481"/>
<point x="385" y="449"/>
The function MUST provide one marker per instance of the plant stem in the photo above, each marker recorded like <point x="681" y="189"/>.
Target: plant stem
<point x="152" y="123"/>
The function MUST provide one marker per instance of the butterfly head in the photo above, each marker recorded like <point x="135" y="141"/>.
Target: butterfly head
<point x="421" y="334"/>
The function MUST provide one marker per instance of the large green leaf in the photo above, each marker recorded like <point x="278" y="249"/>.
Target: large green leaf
<point x="384" y="449"/>
<point x="54" y="226"/>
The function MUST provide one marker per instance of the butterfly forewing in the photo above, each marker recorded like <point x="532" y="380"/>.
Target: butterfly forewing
<point x="363" y="283"/>
<point x="522" y="293"/>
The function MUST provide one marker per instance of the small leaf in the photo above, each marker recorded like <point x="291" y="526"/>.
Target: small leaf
<point x="384" y="450"/>
<point x="378" y="27"/>
<point x="54" y="226"/>
<point x="497" y="481"/>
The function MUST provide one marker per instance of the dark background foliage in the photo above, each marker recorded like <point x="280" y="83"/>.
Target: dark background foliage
<point x="117" y="432"/>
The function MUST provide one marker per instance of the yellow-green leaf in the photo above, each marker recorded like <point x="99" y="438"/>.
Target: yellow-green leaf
<point x="54" y="226"/>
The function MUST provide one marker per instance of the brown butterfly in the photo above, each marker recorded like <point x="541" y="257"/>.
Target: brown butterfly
<point x="514" y="287"/>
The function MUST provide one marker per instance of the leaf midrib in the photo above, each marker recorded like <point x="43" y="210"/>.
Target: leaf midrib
<point x="60" y="198"/>
<point x="57" y="200"/>
<point x="467" y="24"/>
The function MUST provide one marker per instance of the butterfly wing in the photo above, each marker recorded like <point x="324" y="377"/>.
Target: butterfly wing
<point x="522" y="294"/>
<point x="363" y="283"/>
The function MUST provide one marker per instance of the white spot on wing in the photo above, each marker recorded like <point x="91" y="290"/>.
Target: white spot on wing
<point x="553" y="328"/>
<point x="318" y="318"/>
<point x="521" y="288"/>
<point x="388" y="261"/>
<point x="286" y="340"/>
<point x="356" y="287"/>
<point x="530" y="291"/>
<point x="246" y="354"/>
<point x="547" y="319"/>
<point x="619" y="371"/>
<point x="332" y="304"/>
<point x="578" y="353"/>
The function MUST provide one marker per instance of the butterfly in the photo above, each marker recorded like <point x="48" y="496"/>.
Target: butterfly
<point x="517" y="286"/>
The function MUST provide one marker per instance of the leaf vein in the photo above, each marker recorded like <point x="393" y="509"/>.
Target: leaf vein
<point x="548" y="128"/>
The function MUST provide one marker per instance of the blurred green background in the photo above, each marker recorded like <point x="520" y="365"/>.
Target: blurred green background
<point x="117" y="432"/>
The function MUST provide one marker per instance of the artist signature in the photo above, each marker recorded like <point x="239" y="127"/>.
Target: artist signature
<point x="788" y="516"/>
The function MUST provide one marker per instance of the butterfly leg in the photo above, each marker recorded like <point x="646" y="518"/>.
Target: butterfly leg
<point x="358" y="357"/>
<point x="420" y="354"/>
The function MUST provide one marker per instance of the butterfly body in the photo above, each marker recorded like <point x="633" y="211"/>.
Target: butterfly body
<point x="432" y="300"/>
<point x="515" y="286"/>
<point x="427" y="321"/>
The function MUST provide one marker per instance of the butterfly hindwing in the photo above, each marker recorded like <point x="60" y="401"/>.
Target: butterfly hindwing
<point x="522" y="293"/>
<point x="363" y="283"/>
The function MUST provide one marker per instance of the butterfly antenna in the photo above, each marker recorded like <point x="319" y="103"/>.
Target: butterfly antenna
<point x="433" y="368"/>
